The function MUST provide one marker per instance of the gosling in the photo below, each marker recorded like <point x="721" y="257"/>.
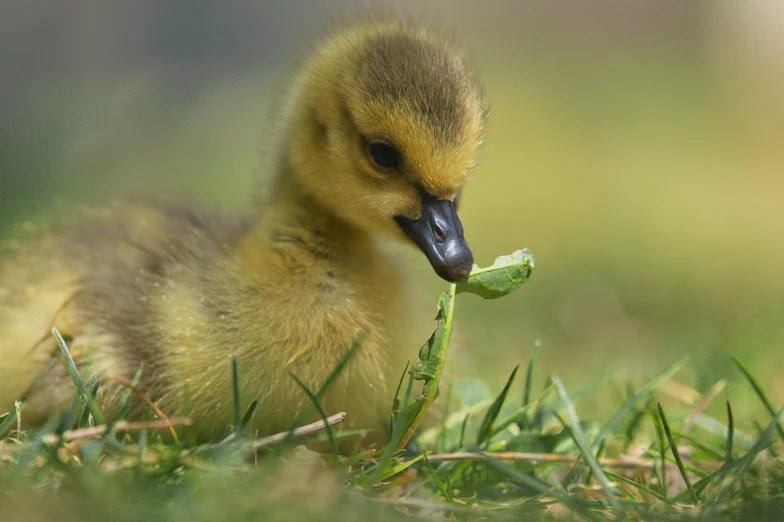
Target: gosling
<point x="381" y="127"/>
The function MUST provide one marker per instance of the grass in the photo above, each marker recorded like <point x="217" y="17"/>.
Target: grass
<point x="492" y="458"/>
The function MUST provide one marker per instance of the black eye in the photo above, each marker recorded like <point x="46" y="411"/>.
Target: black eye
<point x="384" y="155"/>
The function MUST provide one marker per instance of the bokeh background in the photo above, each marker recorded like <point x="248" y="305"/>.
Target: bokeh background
<point x="635" y="147"/>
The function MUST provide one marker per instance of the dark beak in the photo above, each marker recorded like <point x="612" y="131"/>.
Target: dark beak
<point x="439" y="234"/>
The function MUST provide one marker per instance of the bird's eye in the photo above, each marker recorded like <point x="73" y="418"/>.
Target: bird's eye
<point x="384" y="155"/>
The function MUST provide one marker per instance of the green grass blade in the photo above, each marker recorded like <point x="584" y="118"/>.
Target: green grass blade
<point x="441" y="438"/>
<point x="598" y="455"/>
<point x="486" y="428"/>
<point x="688" y="467"/>
<point x="702" y="445"/>
<point x="535" y="483"/>
<point x="463" y="431"/>
<point x="641" y="487"/>
<point x="126" y="395"/>
<point x="633" y="425"/>
<point x="730" y="432"/>
<point x="50" y="453"/>
<point x="29" y="453"/>
<point x="442" y="488"/>
<point x="76" y="411"/>
<point x="758" y="390"/>
<point x="332" y="444"/>
<point x="765" y="439"/>
<point x="719" y="429"/>
<point x="398" y="432"/>
<point x="676" y="454"/>
<point x="579" y="439"/>
<point x="235" y="390"/>
<point x="398" y="467"/>
<point x="628" y="405"/>
<point x="86" y="420"/>
<point x="764" y="442"/>
<point x="759" y="446"/>
<point x="396" y="398"/>
<point x="518" y="417"/>
<point x="662" y="438"/>
<point x="576" y="472"/>
<point x="337" y="370"/>
<point x="8" y="423"/>
<point x="249" y="414"/>
<point x="70" y="366"/>
<point x="544" y="404"/>
<point x="340" y="366"/>
<point x="529" y="377"/>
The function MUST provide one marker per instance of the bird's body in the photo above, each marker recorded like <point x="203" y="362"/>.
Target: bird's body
<point x="183" y="294"/>
<point x="287" y="288"/>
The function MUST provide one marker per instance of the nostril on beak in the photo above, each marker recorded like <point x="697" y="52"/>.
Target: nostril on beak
<point x="439" y="232"/>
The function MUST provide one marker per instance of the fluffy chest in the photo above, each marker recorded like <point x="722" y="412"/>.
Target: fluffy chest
<point x="273" y="326"/>
<point x="282" y="307"/>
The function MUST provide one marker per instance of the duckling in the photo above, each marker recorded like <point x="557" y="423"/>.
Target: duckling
<point x="381" y="126"/>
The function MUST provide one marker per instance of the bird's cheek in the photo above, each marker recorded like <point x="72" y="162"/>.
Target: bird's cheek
<point x="403" y="204"/>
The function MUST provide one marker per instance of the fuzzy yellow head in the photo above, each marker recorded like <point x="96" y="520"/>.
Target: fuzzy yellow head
<point x="385" y="130"/>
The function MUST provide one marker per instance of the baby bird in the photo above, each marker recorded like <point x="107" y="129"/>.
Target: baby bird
<point x="381" y="126"/>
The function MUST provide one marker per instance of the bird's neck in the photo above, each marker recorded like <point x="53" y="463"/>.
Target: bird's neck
<point x="294" y="233"/>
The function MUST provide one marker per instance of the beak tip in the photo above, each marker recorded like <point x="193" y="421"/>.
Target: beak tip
<point x="456" y="268"/>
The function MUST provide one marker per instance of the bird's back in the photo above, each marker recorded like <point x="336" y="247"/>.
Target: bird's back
<point x="92" y="279"/>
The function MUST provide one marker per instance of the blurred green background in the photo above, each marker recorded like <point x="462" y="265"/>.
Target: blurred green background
<point x="634" y="147"/>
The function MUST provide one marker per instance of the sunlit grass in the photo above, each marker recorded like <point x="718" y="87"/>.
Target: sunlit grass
<point x="492" y="457"/>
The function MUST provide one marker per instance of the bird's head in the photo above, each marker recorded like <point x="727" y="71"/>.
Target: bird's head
<point x="387" y="125"/>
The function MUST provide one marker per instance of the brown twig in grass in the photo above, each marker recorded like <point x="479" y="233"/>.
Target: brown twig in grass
<point x="703" y="404"/>
<point x="299" y="432"/>
<point x="18" y="408"/>
<point x="680" y="391"/>
<point x="628" y="462"/>
<point x="97" y="431"/>
<point x="125" y="382"/>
